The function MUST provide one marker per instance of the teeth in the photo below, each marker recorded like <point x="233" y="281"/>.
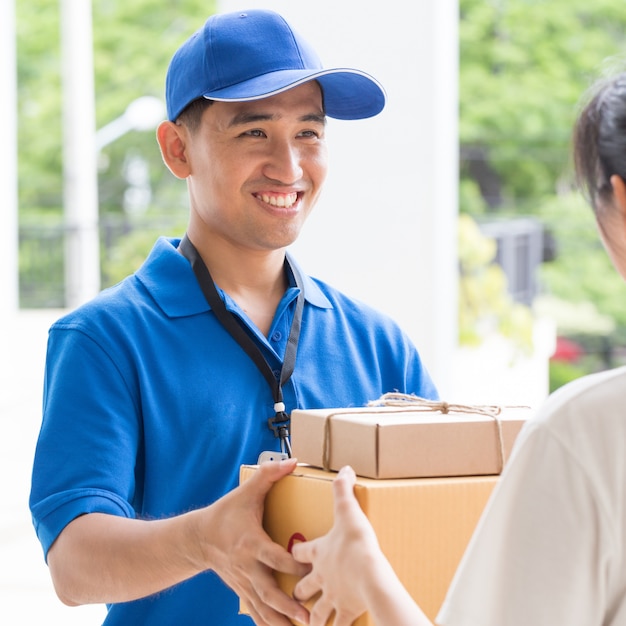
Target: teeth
<point x="284" y="201"/>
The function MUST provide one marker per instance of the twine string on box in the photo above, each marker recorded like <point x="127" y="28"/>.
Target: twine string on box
<point x="327" y="438"/>
<point x="422" y="404"/>
<point x="415" y="403"/>
<point x="409" y="403"/>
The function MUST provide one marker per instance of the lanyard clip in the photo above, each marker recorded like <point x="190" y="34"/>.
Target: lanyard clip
<point x="279" y="425"/>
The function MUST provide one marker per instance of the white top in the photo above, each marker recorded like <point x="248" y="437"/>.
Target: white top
<point x="550" y="546"/>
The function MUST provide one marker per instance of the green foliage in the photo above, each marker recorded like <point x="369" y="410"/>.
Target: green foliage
<point x="470" y="198"/>
<point x="131" y="249"/>
<point x="597" y="355"/>
<point x="562" y="373"/>
<point x="39" y="104"/>
<point x="523" y="67"/>
<point x="485" y="305"/>
<point x="582" y="271"/>
<point x="132" y="45"/>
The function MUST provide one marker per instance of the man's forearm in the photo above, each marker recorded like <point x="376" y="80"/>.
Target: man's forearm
<point x="101" y="558"/>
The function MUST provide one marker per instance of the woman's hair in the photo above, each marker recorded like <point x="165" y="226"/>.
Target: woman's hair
<point x="599" y="140"/>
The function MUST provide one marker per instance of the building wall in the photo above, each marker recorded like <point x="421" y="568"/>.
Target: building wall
<point x="385" y="228"/>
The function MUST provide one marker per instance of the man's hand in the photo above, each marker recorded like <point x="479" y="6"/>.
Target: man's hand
<point x="244" y="556"/>
<point x="102" y="558"/>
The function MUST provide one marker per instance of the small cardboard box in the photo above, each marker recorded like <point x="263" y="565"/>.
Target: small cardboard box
<point x="393" y="442"/>
<point x="423" y="525"/>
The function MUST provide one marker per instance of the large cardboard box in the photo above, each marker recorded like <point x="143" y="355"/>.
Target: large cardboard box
<point x="396" y="442"/>
<point x="423" y="525"/>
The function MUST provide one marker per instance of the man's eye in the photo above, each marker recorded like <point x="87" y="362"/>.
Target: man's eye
<point x="309" y="133"/>
<point x="255" y="132"/>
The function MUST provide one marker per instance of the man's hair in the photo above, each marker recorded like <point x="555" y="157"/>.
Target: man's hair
<point x="191" y="115"/>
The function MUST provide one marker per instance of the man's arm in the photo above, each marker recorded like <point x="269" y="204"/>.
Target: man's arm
<point x="110" y="559"/>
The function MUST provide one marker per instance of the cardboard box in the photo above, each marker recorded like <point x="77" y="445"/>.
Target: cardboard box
<point x="423" y="525"/>
<point x="393" y="442"/>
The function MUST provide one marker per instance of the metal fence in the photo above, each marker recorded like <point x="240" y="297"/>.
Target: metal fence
<point x="42" y="256"/>
<point x="521" y="249"/>
<point x="41" y="267"/>
<point x="522" y="245"/>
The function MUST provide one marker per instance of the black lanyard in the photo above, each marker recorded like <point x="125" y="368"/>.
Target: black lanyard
<point x="279" y="423"/>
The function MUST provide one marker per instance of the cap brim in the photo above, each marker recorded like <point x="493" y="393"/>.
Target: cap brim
<point x="348" y="94"/>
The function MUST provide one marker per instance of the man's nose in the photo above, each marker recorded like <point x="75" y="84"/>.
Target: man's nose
<point x="284" y="162"/>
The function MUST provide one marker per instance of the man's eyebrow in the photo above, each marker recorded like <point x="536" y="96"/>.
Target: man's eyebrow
<point x="252" y="118"/>
<point x="317" y="118"/>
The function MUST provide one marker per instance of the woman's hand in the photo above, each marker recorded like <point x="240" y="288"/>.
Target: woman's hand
<point x="341" y="561"/>
<point x="350" y="571"/>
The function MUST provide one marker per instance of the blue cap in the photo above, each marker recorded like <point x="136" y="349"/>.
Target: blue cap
<point x="255" y="54"/>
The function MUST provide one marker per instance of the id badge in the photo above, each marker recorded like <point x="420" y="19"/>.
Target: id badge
<point x="272" y="456"/>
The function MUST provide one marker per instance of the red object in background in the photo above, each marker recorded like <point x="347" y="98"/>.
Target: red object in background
<point x="567" y="350"/>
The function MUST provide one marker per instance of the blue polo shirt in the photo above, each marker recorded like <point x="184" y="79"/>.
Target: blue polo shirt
<point x="150" y="407"/>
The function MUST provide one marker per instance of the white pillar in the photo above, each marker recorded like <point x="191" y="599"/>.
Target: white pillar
<point x="82" y="258"/>
<point x="9" y="303"/>
<point x="385" y="229"/>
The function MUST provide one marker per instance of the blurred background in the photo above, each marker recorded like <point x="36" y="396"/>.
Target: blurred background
<point x="455" y="210"/>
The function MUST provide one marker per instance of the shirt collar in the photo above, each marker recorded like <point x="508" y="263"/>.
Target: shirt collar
<point x="167" y="276"/>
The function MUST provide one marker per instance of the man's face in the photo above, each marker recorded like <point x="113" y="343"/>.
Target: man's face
<point x="256" y="168"/>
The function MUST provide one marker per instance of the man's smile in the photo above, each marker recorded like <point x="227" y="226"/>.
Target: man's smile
<point x="281" y="200"/>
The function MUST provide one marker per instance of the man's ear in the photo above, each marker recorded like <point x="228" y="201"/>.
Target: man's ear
<point x="172" y="140"/>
